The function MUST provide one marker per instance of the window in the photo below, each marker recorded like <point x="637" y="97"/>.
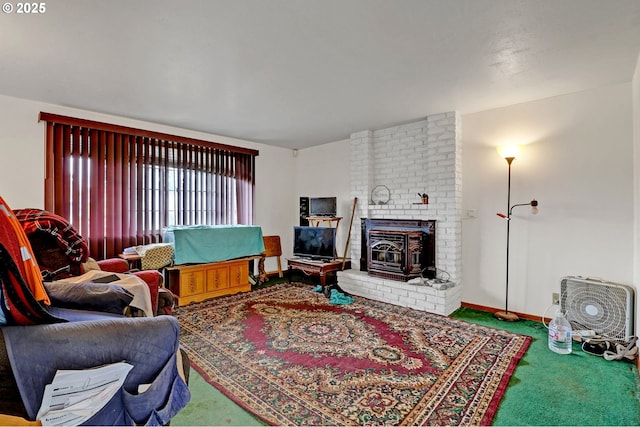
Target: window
<point x="121" y="186"/>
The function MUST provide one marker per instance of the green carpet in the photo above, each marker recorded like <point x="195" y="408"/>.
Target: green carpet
<point x="546" y="389"/>
<point x="551" y="389"/>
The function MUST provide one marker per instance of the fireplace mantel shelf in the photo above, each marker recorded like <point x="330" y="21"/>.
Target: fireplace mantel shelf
<point x="390" y="206"/>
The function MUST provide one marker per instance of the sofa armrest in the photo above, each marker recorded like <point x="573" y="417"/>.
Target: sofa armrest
<point x="114" y="265"/>
<point x="154" y="280"/>
<point x="151" y="345"/>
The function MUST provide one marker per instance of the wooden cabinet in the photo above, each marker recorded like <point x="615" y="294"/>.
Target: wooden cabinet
<point x="195" y="283"/>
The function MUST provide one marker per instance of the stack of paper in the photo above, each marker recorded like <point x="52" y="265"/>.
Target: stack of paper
<point x="74" y="396"/>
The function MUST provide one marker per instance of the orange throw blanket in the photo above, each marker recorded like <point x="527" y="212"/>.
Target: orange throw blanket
<point x="14" y="239"/>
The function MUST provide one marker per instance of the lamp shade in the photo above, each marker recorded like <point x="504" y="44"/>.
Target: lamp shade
<point x="509" y="151"/>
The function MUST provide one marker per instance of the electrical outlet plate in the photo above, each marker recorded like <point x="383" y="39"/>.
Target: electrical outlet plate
<point x="555" y="298"/>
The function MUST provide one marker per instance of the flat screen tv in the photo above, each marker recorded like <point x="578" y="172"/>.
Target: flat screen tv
<point x="314" y="242"/>
<point x="323" y="206"/>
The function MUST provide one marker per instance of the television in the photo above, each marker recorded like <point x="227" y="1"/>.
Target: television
<point x="323" y="206"/>
<point x="314" y="242"/>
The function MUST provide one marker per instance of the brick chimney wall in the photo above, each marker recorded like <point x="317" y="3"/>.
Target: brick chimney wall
<point x="419" y="157"/>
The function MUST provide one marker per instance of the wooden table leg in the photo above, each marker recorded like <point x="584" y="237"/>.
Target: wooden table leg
<point x="262" y="275"/>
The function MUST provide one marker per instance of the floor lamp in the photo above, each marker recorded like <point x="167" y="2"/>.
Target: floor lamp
<point x="509" y="153"/>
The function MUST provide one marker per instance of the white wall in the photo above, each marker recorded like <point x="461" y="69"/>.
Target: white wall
<point x="323" y="171"/>
<point x="22" y="159"/>
<point x="22" y="162"/>
<point x="579" y="165"/>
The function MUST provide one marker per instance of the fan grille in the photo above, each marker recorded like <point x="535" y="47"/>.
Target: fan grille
<point x="604" y="307"/>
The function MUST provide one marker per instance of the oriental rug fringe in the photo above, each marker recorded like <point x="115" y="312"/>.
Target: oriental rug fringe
<point x="288" y="356"/>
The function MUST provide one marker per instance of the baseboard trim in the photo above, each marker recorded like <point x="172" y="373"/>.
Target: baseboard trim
<point x="494" y="310"/>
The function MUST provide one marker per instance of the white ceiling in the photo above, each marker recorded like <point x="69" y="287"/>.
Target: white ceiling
<point x="297" y="73"/>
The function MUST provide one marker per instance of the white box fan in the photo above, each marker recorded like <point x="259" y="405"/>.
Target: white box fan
<point x="604" y="307"/>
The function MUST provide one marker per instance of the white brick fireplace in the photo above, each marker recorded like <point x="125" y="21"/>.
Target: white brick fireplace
<point x="420" y="157"/>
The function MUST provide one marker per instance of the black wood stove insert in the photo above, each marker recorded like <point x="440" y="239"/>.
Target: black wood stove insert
<point x="398" y="249"/>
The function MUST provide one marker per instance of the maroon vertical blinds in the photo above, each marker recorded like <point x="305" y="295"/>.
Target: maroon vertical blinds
<point x="120" y="186"/>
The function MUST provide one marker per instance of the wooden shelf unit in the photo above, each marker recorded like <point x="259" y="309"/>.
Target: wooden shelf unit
<point x="198" y="282"/>
<point x="315" y="221"/>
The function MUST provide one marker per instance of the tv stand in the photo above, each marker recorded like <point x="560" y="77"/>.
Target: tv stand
<point x="317" y="268"/>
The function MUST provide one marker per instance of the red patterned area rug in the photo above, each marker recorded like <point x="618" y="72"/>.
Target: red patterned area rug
<point x="285" y="354"/>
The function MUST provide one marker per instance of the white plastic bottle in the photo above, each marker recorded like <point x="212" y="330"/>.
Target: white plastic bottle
<point x="560" y="334"/>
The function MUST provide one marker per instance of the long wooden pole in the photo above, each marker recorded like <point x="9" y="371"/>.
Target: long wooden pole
<point x="346" y="248"/>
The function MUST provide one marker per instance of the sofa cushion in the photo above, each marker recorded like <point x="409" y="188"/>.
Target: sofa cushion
<point x="137" y="286"/>
<point x="102" y="297"/>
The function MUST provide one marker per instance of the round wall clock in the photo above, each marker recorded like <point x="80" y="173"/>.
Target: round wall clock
<point x="380" y="195"/>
